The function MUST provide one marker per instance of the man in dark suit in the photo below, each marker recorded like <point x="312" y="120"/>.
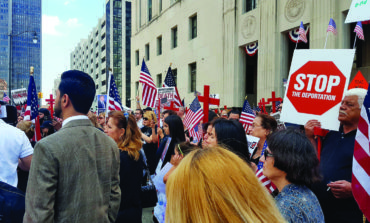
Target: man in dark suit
<point x="74" y="173"/>
<point x="101" y="102"/>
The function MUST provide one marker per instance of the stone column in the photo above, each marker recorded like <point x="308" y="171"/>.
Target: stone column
<point x="267" y="77"/>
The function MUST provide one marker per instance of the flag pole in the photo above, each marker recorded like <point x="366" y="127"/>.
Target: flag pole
<point x="354" y="44"/>
<point x="107" y="102"/>
<point x="296" y="43"/>
<point x="326" y="40"/>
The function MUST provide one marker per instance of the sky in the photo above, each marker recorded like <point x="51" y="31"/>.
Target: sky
<point x="64" y="24"/>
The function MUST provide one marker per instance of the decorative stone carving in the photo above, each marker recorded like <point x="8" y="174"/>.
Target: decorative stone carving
<point x="228" y="5"/>
<point x="248" y="26"/>
<point x="294" y="10"/>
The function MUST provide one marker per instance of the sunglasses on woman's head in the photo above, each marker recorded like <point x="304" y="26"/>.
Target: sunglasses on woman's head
<point x="146" y="119"/>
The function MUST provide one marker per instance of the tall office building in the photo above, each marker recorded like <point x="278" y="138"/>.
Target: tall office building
<point x="20" y="23"/>
<point x="108" y="47"/>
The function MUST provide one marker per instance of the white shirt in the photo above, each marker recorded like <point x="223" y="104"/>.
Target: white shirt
<point x="140" y="123"/>
<point x="14" y="145"/>
<point x="77" y="117"/>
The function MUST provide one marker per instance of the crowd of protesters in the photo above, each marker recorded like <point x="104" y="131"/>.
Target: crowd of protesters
<point x="91" y="167"/>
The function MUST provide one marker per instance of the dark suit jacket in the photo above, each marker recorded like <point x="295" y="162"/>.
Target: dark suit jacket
<point x="101" y="104"/>
<point x="74" y="177"/>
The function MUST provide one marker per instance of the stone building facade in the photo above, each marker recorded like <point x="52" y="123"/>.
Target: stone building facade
<point x="163" y="33"/>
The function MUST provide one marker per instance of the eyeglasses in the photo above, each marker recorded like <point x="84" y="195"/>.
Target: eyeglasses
<point x="255" y="126"/>
<point x="146" y="119"/>
<point x="268" y="154"/>
<point x="100" y="117"/>
<point x="137" y="113"/>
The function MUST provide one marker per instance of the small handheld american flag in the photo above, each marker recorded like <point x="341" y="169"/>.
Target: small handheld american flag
<point x="114" y="100"/>
<point x="169" y="81"/>
<point x="359" y="31"/>
<point x="196" y="132"/>
<point x="302" y="33"/>
<point x="332" y="27"/>
<point x="6" y="98"/>
<point x="247" y="116"/>
<point x="194" y="114"/>
<point x="149" y="89"/>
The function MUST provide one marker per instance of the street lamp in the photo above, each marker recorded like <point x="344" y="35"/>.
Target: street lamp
<point x="34" y="40"/>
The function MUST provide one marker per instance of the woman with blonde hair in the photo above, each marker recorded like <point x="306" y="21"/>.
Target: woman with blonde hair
<point x="215" y="185"/>
<point x="101" y="120"/>
<point x="127" y="136"/>
<point x="150" y="138"/>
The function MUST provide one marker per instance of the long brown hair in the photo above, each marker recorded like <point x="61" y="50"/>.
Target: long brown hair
<point x="131" y="140"/>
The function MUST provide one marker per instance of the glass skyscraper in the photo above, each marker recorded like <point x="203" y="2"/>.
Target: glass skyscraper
<point x="20" y="19"/>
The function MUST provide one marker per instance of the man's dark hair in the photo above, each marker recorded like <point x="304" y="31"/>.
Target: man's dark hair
<point x="234" y="111"/>
<point x="212" y="115"/>
<point x="231" y="134"/>
<point x="141" y="111"/>
<point x="80" y="88"/>
<point x="294" y="154"/>
<point x="169" y="112"/>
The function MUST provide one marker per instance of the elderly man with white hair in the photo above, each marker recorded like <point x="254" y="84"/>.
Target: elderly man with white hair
<point x="334" y="191"/>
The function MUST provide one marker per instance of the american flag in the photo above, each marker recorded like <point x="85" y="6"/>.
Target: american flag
<point x="265" y="181"/>
<point x="256" y="109"/>
<point x="170" y="82"/>
<point x="149" y="89"/>
<point x="194" y="114"/>
<point x="32" y="113"/>
<point x="6" y="97"/>
<point x="247" y="116"/>
<point x="359" y="31"/>
<point x="196" y="132"/>
<point x="302" y="33"/>
<point x="332" y="27"/>
<point x="114" y="100"/>
<point x="361" y="161"/>
<point x="277" y="105"/>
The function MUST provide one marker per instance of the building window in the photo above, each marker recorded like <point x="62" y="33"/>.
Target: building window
<point x="102" y="83"/>
<point x="193" y="27"/>
<point x="137" y="61"/>
<point x="249" y="5"/>
<point x="159" y="80"/>
<point x="96" y="76"/>
<point x="159" y="45"/>
<point x="160" y="5"/>
<point x="174" y="37"/>
<point x="147" y="52"/>
<point x="136" y="86"/>
<point x="193" y="76"/>
<point x="150" y="9"/>
<point x="97" y="86"/>
<point x="174" y="74"/>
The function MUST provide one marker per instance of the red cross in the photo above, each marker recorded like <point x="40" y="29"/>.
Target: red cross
<point x="262" y="104"/>
<point x="172" y="107"/>
<point x="225" y="107"/>
<point x="274" y="100"/>
<point x="206" y="102"/>
<point x="51" y="105"/>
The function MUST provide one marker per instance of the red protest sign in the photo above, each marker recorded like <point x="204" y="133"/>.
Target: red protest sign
<point x="359" y="81"/>
<point x="316" y="87"/>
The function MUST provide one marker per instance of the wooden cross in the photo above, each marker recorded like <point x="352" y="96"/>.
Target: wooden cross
<point x="273" y="99"/>
<point x="262" y="104"/>
<point x="51" y="104"/>
<point x="172" y="107"/>
<point x="206" y="102"/>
